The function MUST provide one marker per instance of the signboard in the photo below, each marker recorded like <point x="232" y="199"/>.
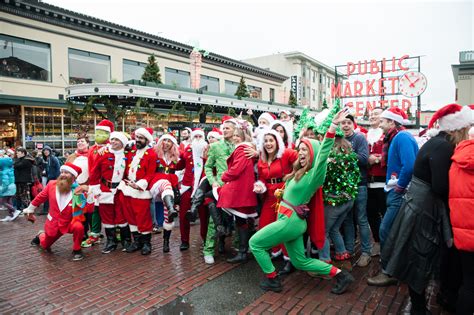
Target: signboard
<point x="294" y="85"/>
<point x="375" y="83"/>
<point x="466" y="56"/>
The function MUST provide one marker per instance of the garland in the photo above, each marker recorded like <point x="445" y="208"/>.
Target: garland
<point x="342" y="178"/>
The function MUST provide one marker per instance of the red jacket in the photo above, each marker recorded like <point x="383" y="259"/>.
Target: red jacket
<point x="461" y="195"/>
<point x="170" y="168"/>
<point x="276" y="171"/>
<point x="377" y="170"/>
<point x="57" y="219"/>
<point x="239" y="178"/>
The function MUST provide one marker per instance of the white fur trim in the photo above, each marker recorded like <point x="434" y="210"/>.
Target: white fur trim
<point x="183" y="189"/>
<point x="261" y="185"/>
<point x="82" y="162"/>
<point x="134" y="193"/>
<point x="133" y="228"/>
<point x="120" y="136"/>
<point x="107" y="197"/>
<point x="433" y="132"/>
<point x="69" y="170"/>
<point x="167" y="192"/>
<point x="168" y="226"/>
<point x="240" y="214"/>
<point x="108" y="226"/>
<point x="169" y="137"/>
<point x="142" y="183"/>
<point x="280" y="143"/>
<point x="30" y="209"/>
<point x="197" y="132"/>
<point x="215" y="193"/>
<point x="391" y="115"/>
<point x="143" y="132"/>
<point x="456" y="121"/>
<point x="267" y="117"/>
<point x="214" y="134"/>
<point x="105" y="128"/>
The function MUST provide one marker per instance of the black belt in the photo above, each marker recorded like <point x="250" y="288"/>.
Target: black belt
<point x="163" y="171"/>
<point x="376" y="179"/>
<point x="109" y="184"/>
<point x="274" y="180"/>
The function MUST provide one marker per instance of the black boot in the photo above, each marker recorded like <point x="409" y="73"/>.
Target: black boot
<point x="125" y="237"/>
<point x="343" y="280"/>
<point x="241" y="256"/>
<point x="271" y="284"/>
<point x="136" y="244"/>
<point x="184" y="246"/>
<point x="287" y="269"/>
<point x="166" y="241"/>
<point x="197" y="200"/>
<point x="146" y="240"/>
<point x="111" y="243"/>
<point x="221" y="245"/>
<point x="169" y="204"/>
<point x="216" y="215"/>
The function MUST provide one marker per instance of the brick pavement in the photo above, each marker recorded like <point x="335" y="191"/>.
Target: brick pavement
<point x="33" y="281"/>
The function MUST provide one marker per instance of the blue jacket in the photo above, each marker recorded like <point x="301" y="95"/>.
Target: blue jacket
<point x="52" y="164"/>
<point x="401" y="158"/>
<point x="7" y="177"/>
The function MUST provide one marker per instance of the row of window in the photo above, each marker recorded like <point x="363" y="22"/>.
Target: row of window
<point x="322" y="78"/>
<point x="26" y="59"/>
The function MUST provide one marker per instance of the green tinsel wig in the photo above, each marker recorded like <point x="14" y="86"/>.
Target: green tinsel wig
<point x="324" y="126"/>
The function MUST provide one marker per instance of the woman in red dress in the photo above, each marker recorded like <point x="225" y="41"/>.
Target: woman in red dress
<point x="236" y="196"/>
<point x="274" y="164"/>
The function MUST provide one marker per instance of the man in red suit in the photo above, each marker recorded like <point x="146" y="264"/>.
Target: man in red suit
<point x="193" y="172"/>
<point x="135" y="199"/>
<point x="65" y="211"/>
<point x="103" y="180"/>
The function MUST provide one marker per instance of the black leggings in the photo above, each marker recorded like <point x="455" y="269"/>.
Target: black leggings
<point x="376" y="206"/>
<point x="465" y="304"/>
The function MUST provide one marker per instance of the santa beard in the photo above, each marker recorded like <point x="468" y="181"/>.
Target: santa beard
<point x="64" y="184"/>
<point x="198" y="147"/>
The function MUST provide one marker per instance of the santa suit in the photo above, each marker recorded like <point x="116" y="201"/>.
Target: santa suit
<point x="135" y="203"/>
<point x="193" y="173"/>
<point x="104" y="179"/>
<point x="59" y="220"/>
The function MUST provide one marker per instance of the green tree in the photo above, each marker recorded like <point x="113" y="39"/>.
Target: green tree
<point x="242" y="90"/>
<point x="231" y="112"/>
<point x="366" y="113"/>
<point x="292" y="100"/>
<point x="152" y="71"/>
<point x="409" y="114"/>
<point x="325" y="104"/>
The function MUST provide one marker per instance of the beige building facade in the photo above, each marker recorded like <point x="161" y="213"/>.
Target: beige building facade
<point x="464" y="78"/>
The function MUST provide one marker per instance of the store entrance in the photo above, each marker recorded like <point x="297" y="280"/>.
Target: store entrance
<point x="9" y="124"/>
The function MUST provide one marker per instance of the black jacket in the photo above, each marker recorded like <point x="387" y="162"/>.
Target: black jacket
<point x="23" y="167"/>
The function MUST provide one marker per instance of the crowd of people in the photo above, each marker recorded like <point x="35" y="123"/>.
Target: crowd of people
<point x="299" y="191"/>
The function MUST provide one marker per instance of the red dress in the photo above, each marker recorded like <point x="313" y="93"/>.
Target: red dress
<point x="236" y="195"/>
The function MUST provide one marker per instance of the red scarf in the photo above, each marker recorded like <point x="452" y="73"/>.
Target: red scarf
<point x="387" y="141"/>
<point x="83" y="153"/>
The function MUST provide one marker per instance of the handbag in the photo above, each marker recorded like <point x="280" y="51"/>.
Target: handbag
<point x="36" y="188"/>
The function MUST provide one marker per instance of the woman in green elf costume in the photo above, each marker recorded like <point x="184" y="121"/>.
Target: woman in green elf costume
<point x="299" y="210"/>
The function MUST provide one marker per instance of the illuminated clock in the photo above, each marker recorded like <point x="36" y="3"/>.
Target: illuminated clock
<point x="412" y="84"/>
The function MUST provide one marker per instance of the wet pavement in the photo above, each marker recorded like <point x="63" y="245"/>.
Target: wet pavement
<point x="33" y="281"/>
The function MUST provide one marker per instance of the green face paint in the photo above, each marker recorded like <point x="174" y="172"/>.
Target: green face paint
<point x="101" y="136"/>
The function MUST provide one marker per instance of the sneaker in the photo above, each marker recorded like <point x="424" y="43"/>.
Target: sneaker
<point x="90" y="241"/>
<point x="376" y="250"/>
<point x="382" y="280"/>
<point x="343" y="280"/>
<point x="209" y="260"/>
<point x="7" y="219"/>
<point x="364" y="260"/>
<point x="15" y="214"/>
<point x="77" y="255"/>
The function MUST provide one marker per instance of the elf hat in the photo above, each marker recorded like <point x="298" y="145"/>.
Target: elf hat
<point x="119" y="136"/>
<point x="268" y="117"/>
<point x="197" y="131"/>
<point x="145" y="132"/>
<point x="452" y="117"/>
<point x="169" y="137"/>
<point x="71" y="168"/>
<point x="395" y="114"/>
<point x="105" y="125"/>
<point x="215" y="133"/>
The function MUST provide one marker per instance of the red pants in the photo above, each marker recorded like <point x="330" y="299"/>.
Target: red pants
<point x="112" y="214"/>
<point x="184" y="226"/>
<point x="137" y="212"/>
<point x="76" y="228"/>
<point x="268" y="215"/>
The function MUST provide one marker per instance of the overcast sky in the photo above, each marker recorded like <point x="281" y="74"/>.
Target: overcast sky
<point x="333" y="32"/>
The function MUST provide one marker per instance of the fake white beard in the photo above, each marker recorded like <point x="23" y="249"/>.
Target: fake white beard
<point x="471" y="133"/>
<point x="198" y="147"/>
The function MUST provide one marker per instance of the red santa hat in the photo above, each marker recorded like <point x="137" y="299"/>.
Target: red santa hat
<point x="188" y="129"/>
<point x="145" y="132"/>
<point x="215" y="133"/>
<point x="169" y="137"/>
<point x="395" y="114"/>
<point x="11" y="151"/>
<point x="71" y="168"/>
<point x="452" y="117"/>
<point x="119" y="136"/>
<point x="286" y="112"/>
<point x="197" y="131"/>
<point x="268" y="117"/>
<point x="226" y="118"/>
<point x="105" y="125"/>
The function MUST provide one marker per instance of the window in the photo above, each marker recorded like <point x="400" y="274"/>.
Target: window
<point x="231" y="87"/>
<point x="255" y="91"/>
<point x="314" y="76"/>
<point x="304" y="92"/>
<point x="303" y="69"/>
<point x="329" y="82"/>
<point x="320" y="78"/>
<point x="272" y="95"/>
<point x="133" y="70"/>
<point x="177" y="78"/>
<point x="24" y="59"/>
<point x="88" y="67"/>
<point x="314" y="95"/>
<point x="210" y="84"/>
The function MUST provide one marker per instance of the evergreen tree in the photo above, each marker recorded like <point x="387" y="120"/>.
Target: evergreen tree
<point x="292" y="100"/>
<point x="325" y="104"/>
<point x="152" y="71"/>
<point x="366" y="113"/>
<point x="409" y="114"/>
<point x="242" y="90"/>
